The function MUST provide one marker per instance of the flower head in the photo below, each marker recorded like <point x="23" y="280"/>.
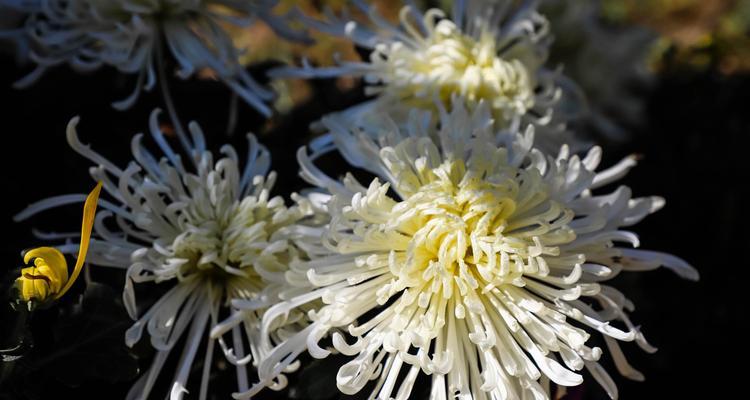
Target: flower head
<point x="484" y="52"/>
<point x="469" y="262"/>
<point x="448" y="62"/>
<point x="47" y="279"/>
<point x="210" y="230"/>
<point x="131" y="35"/>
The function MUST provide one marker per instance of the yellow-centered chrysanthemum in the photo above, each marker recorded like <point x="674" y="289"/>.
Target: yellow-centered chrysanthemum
<point x="449" y="62"/>
<point x="474" y="261"/>
<point x="490" y="52"/>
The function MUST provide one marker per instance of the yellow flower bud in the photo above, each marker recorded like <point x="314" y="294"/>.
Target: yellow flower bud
<point x="47" y="279"/>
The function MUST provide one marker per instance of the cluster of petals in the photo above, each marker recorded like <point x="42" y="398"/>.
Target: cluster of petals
<point x="472" y="257"/>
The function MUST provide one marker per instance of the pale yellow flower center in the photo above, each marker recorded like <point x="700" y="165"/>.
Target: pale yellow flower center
<point x="466" y="229"/>
<point x="447" y="63"/>
<point x="228" y="243"/>
<point x="450" y="216"/>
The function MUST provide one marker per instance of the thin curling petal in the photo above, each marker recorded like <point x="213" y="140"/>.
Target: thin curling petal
<point x="89" y="213"/>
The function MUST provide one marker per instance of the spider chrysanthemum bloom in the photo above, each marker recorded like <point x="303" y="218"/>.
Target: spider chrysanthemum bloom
<point x="489" y="52"/>
<point x="475" y="260"/>
<point x="208" y="231"/>
<point x="132" y="36"/>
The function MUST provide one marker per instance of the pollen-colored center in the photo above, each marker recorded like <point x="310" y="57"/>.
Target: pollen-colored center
<point x="448" y="63"/>
<point x="464" y="229"/>
<point x="231" y="243"/>
<point x="455" y="223"/>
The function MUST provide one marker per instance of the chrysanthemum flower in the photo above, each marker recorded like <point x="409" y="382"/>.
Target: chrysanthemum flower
<point x="131" y="35"/>
<point x="474" y="259"/>
<point x="485" y="51"/>
<point x="209" y="230"/>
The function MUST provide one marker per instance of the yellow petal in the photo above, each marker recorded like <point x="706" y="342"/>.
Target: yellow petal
<point x="49" y="262"/>
<point x="51" y="274"/>
<point x="89" y="211"/>
<point x="32" y="285"/>
<point x="41" y="289"/>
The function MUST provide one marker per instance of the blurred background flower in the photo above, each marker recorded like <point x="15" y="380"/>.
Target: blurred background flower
<point x="136" y="38"/>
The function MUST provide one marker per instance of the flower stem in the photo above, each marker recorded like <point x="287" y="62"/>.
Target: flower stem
<point x="167" y="96"/>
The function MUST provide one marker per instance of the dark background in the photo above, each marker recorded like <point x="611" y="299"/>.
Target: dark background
<point x="695" y="153"/>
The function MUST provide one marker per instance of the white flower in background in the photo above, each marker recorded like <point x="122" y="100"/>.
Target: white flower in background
<point x="208" y="230"/>
<point x="474" y="259"/>
<point x="132" y="35"/>
<point x="485" y="51"/>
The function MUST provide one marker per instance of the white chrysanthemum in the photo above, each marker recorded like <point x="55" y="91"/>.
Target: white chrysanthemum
<point x="131" y="35"/>
<point x="486" y="51"/>
<point x="211" y="229"/>
<point x="474" y="261"/>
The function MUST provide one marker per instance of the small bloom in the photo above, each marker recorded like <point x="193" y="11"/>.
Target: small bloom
<point x="485" y="52"/>
<point x="132" y="36"/>
<point x="47" y="279"/>
<point x="206" y="227"/>
<point x="473" y="258"/>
